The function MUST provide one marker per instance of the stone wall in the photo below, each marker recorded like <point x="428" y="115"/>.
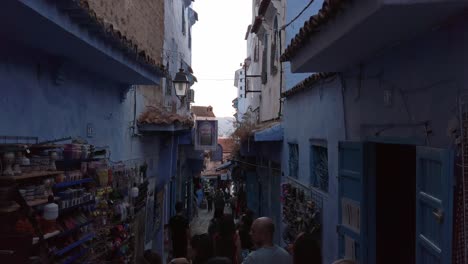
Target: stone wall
<point x="140" y="20"/>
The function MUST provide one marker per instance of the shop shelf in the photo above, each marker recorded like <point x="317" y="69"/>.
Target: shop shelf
<point x="35" y="240"/>
<point x="37" y="202"/>
<point x="15" y="207"/>
<point x="31" y="175"/>
<point x="67" y="232"/>
<point x="69" y="209"/>
<point x="77" y="256"/>
<point x="83" y="240"/>
<point x="72" y="183"/>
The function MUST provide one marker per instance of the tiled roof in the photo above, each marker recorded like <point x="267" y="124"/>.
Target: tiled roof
<point x="203" y="111"/>
<point x="80" y="12"/>
<point x="227" y="144"/>
<point x="157" y="116"/>
<point x="307" y="83"/>
<point x="329" y="10"/>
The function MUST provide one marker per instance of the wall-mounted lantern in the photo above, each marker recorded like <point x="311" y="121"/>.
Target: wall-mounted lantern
<point x="181" y="84"/>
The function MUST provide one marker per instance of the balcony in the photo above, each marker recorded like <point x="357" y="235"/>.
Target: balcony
<point x="345" y="33"/>
<point x="65" y="30"/>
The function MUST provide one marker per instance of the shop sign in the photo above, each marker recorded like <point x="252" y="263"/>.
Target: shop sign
<point x="206" y="135"/>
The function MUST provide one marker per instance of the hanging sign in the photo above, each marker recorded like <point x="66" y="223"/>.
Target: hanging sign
<point x="206" y="135"/>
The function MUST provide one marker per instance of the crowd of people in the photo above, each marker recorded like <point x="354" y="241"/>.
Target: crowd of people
<point x="248" y="242"/>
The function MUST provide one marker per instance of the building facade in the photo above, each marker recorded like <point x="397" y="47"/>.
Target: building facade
<point x="98" y="75"/>
<point x="384" y="130"/>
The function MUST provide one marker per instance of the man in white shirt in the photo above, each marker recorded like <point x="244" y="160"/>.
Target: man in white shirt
<point x="266" y="252"/>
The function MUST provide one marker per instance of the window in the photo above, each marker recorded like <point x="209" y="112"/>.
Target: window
<point x="319" y="167"/>
<point x="183" y="20"/>
<point x="274" y="49"/>
<point x="256" y="52"/>
<point x="293" y="160"/>
<point x="241" y="96"/>
<point x="265" y="59"/>
<point x="241" y="80"/>
<point x="240" y="72"/>
<point x="168" y="86"/>
<point x="190" y="38"/>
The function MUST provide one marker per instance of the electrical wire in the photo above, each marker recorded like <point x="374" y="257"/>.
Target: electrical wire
<point x="215" y="79"/>
<point x="300" y="13"/>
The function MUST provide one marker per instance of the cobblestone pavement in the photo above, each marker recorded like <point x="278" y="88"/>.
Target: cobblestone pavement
<point x="200" y="224"/>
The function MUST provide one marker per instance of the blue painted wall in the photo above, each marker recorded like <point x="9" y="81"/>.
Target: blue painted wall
<point x="293" y="8"/>
<point x="424" y="77"/>
<point x="34" y="105"/>
<point x="324" y="120"/>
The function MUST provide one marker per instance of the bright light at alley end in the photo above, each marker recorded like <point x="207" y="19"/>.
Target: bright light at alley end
<point x="181" y="83"/>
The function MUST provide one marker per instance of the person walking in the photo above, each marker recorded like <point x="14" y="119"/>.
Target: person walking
<point x="306" y="250"/>
<point x="245" y="224"/>
<point x="209" y="200"/>
<point x="262" y="232"/>
<point x="202" y="248"/>
<point x="226" y="240"/>
<point x="180" y="232"/>
<point x="219" y="203"/>
<point x="233" y="203"/>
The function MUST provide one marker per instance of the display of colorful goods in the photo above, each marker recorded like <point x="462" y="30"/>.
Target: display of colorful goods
<point x="300" y="212"/>
<point x="64" y="203"/>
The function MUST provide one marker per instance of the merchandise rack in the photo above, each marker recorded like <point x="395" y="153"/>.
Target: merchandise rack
<point x="75" y="244"/>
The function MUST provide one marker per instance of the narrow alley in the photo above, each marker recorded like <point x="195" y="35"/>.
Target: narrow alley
<point x="233" y="132"/>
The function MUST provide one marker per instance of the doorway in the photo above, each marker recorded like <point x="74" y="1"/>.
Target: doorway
<point x="395" y="203"/>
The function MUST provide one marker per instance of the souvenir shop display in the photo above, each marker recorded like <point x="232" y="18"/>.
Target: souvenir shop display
<point x="301" y="213"/>
<point x="67" y="204"/>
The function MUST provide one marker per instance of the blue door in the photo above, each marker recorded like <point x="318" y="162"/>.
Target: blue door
<point x="352" y="202"/>
<point x="434" y="194"/>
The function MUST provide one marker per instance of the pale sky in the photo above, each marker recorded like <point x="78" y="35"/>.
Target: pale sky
<point x="218" y="48"/>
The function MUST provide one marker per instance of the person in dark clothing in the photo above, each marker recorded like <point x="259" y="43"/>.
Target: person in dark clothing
<point x="245" y="224"/>
<point x="213" y="226"/>
<point x="202" y="248"/>
<point x="209" y="199"/>
<point x="226" y="240"/>
<point x="306" y="250"/>
<point x="180" y="232"/>
<point x="219" y="204"/>
<point x="152" y="257"/>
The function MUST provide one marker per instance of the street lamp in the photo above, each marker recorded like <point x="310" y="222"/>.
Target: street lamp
<point x="181" y="84"/>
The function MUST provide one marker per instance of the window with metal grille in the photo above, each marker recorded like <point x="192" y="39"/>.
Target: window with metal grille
<point x="319" y="167"/>
<point x="293" y="160"/>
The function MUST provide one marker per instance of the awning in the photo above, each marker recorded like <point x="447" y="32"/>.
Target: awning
<point x="224" y="166"/>
<point x="272" y="133"/>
